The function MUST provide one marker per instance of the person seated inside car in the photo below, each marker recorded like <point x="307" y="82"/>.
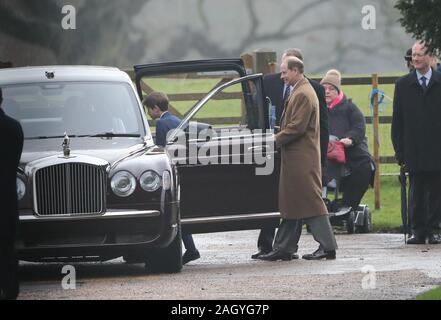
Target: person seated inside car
<point x="347" y="123"/>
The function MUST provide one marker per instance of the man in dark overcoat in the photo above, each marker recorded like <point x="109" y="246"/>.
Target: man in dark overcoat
<point x="277" y="91"/>
<point x="416" y="130"/>
<point x="11" y="144"/>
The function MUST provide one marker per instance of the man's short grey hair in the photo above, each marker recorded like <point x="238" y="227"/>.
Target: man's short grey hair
<point x="293" y="52"/>
<point x="295" y="63"/>
<point x="423" y="44"/>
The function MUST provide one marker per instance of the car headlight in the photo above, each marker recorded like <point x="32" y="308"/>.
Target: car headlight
<point x="150" y="181"/>
<point x="123" y="184"/>
<point x="21" y="189"/>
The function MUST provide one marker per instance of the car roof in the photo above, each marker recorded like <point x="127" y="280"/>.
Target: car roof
<point x="61" y="73"/>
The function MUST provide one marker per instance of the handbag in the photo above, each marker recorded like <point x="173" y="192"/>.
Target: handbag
<point x="336" y="152"/>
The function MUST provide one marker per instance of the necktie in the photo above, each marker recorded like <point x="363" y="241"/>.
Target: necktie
<point x="286" y="94"/>
<point x="284" y="102"/>
<point x="423" y="83"/>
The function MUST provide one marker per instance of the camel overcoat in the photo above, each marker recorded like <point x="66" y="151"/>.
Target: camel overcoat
<point x="299" y="141"/>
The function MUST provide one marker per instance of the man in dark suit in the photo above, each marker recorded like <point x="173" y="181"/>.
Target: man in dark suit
<point x="416" y="128"/>
<point x="278" y="92"/>
<point x="157" y="106"/>
<point x="11" y="144"/>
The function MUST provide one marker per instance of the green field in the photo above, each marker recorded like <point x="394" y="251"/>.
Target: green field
<point x="434" y="294"/>
<point x="388" y="217"/>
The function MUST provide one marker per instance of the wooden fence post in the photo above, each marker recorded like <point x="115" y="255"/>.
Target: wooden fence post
<point x="263" y="60"/>
<point x="375" y="121"/>
<point x="248" y="62"/>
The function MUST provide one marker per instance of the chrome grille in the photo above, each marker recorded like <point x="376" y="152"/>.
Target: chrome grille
<point x="71" y="188"/>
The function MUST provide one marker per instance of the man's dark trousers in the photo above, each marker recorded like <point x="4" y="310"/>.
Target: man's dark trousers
<point x="425" y="203"/>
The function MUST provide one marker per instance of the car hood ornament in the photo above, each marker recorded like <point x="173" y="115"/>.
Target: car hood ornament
<point x="66" y="146"/>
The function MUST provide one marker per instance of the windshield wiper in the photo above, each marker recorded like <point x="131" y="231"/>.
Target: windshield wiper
<point x="112" y="135"/>
<point x="43" y="137"/>
<point x="98" y="135"/>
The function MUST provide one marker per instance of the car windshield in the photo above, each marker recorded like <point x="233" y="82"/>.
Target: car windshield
<point x="98" y="109"/>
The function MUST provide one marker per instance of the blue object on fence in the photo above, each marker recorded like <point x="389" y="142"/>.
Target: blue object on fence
<point x="381" y="103"/>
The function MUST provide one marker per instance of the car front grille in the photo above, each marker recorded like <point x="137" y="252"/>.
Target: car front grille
<point x="69" y="189"/>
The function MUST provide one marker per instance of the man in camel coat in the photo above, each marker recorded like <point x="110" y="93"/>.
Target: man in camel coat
<point x="300" y="175"/>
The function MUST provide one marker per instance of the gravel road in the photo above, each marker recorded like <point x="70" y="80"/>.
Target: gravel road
<point x="226" y="271"/>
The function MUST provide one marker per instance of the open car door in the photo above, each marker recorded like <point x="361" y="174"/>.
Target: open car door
<point x="227" y="167"/>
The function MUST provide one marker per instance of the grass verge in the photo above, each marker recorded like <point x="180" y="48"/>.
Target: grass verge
<point x="434" y="294"/>
<point x="388" y="217"/>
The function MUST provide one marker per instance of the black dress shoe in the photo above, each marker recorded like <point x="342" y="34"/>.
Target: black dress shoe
<point x="416" y="240"/>
<point x="320" y="254"/>
<point x="434" y="239"/>
<point x="260" y="253"/>
<point x="277" y="255"/>
<point x="190" y="256"/>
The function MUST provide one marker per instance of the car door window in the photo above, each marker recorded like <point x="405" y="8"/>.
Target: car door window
<point x="186" y="89"/>
<point x="236" y="104"/>
<point x="224" y="109"/>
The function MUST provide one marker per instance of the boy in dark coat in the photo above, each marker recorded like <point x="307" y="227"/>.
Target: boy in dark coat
<point x="157" y="106"/>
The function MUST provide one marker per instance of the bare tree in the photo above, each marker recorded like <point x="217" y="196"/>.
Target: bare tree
<point x="102" y="33"/>
<point x="197" y="39"/>
<point x="295" y="27"/>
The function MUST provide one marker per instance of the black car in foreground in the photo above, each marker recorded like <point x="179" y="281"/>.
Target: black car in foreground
<point x="93" y="186"/>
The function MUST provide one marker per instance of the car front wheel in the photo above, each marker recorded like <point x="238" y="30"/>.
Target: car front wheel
<point x="169" y="259"/>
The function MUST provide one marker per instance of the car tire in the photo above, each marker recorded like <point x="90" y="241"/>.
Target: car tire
<point x="167" y="260"/>
<point x="367" y="222"/>
<point x="350" y="222"/>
